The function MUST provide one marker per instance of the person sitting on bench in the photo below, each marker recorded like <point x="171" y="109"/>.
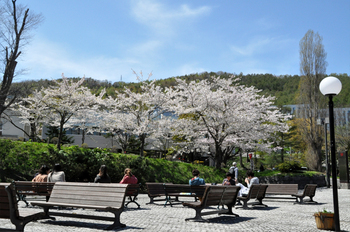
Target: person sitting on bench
<point x="42" y="175"/>
<point x="102" y="176"/>
<point x="196" y="180"/>
<point x="228" y="180"/>
<point x="128" y="178"/>
<point x="249" y="180"/>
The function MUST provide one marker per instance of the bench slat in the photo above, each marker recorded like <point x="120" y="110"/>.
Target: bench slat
<point x="106" y="197"/>
<point x="60" y="192"/>
<point x="215" y="196"/>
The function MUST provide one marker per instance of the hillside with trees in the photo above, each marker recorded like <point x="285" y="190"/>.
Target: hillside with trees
<point x="284" y="87"/>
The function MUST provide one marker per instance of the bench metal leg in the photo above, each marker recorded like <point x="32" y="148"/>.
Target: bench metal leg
<point x="244" y="206"/>
<point x="22" y="197"/>
<point x="168" y="199"/>
<point x="229" y="212"/>
<point x="198" y="217"/>
<point x="116" y="223"/>
<point x="300" y="200"/>
<point x="132" y="200"/>
<point x="259" y="203"/>
<point x="151" y="201"/>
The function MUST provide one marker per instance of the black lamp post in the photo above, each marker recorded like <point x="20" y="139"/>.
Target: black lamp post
<point x="325" y="122"/>
<point x="331" y="86"/>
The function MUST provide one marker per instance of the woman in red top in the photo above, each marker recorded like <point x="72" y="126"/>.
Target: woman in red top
<point x="128" y="178"/>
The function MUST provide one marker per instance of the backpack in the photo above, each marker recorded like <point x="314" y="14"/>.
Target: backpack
<point x="232" y="170"/>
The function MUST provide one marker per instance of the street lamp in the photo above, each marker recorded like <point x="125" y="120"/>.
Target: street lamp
<point x="331" y="86"/>
<point x="325" y="122"/>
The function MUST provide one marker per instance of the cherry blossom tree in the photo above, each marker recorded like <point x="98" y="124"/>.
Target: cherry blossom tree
<point x="56" y="105"/>
<point x="161" y="139"/>
<point x="33" y="112"/>
<point x="221" y="113"/>
<point x="119" y="124"/>
<point x="137" y="112"/>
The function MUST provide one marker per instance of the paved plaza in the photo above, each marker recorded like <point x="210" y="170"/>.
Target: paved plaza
<point x="280" y="215"/>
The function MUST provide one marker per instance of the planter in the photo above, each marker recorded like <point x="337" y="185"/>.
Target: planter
<point x="325" y="221"/>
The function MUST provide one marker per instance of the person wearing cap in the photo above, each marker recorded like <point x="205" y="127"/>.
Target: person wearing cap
<point x="234" y="171"/>
<point x="228" y="180"/>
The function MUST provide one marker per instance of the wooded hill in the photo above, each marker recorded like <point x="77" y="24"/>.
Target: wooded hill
<point x="284" y="87"/>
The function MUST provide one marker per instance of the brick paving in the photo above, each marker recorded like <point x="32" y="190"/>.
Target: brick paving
<point x="280" y="215"/>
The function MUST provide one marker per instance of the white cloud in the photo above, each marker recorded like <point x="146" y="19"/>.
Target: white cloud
<point x="47" y="60"/>
<point x="161" y="18"/>
<point x="253" y="47"/>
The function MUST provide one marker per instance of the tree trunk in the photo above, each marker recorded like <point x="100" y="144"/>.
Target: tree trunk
<point x="142" y="139"/>
<point x="218" y="157"/>
<point x="83" y="136"/>
<point x="32" y="132"/>
<point x="60" y="134"/>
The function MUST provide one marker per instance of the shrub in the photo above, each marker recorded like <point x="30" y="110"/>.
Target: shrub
<point x="289" y="166"/>
<point x="84" y="145"/>
<point x="54" y="140"/>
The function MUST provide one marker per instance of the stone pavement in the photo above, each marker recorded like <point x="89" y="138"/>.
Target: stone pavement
<point x="280" y="215"/>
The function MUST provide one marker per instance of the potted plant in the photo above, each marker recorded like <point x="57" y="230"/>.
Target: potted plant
<point x="325" y="220"/>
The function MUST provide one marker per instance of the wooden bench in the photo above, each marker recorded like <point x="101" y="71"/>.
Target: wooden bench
<point x="9" y="209"/>
<point x="132" y="192"/>
<point x="182" y="190"/>
<point x="103" y="197"/>
<point x="309" y="191"/>
<point x="214" y="196"/>
<point x="28" y="188"/>
<point x="257" y="193"/>
<point x="155" y="190"/>
<point x="283" y="191"/>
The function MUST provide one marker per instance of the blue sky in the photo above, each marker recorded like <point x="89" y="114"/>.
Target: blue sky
<point x="106" y="39"/>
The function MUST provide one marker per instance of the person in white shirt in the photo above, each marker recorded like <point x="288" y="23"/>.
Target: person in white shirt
<point x="57" y="175"/>
<point x="250" y="180"/>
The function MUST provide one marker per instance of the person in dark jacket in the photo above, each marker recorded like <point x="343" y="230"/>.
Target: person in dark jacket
<point x="196" y="180"/>
<point x="228" y="180"/>
<point x="102" y="176"/>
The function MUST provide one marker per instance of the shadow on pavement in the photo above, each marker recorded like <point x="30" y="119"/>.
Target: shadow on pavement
<point x="90" y="225"/>
<point x="229" y="220"/>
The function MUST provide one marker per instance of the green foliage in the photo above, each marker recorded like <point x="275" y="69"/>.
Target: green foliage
<point x="134" y="145"/>
<point x="289" y="166"/>
<point x="53" y="132"/>
<point x="82" y="164"/>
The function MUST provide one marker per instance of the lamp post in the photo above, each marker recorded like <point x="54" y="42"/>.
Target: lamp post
<point x="331" y="86"/>
<point x="325" y="122"/>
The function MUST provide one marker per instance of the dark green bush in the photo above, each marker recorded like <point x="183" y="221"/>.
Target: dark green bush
<point x="21" y="160"/>
<point x="289" y="166"/>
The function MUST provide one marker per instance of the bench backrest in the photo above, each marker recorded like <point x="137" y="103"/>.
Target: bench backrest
<point x="133" y="189"/>
<point x="287" y="189"/>
<point x="310" y="190"/>
<point x="37" y="187"/>
<point x="155" y="189"/>
<point x="4" y="201"/>
<point x="220" y="195"/>
<point x="94" y="194"/>
<point x="197" y="190"/>
<point x="253" y="191"/>
<point x="262" y="191"/>
<point x="177" y="188"/>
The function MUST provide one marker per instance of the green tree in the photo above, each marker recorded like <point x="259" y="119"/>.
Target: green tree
<point x="313" y="69"/>
<point x="53" y="132"/>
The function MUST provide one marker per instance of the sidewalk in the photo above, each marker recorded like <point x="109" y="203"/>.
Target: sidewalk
<point x="281" y="215"/>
